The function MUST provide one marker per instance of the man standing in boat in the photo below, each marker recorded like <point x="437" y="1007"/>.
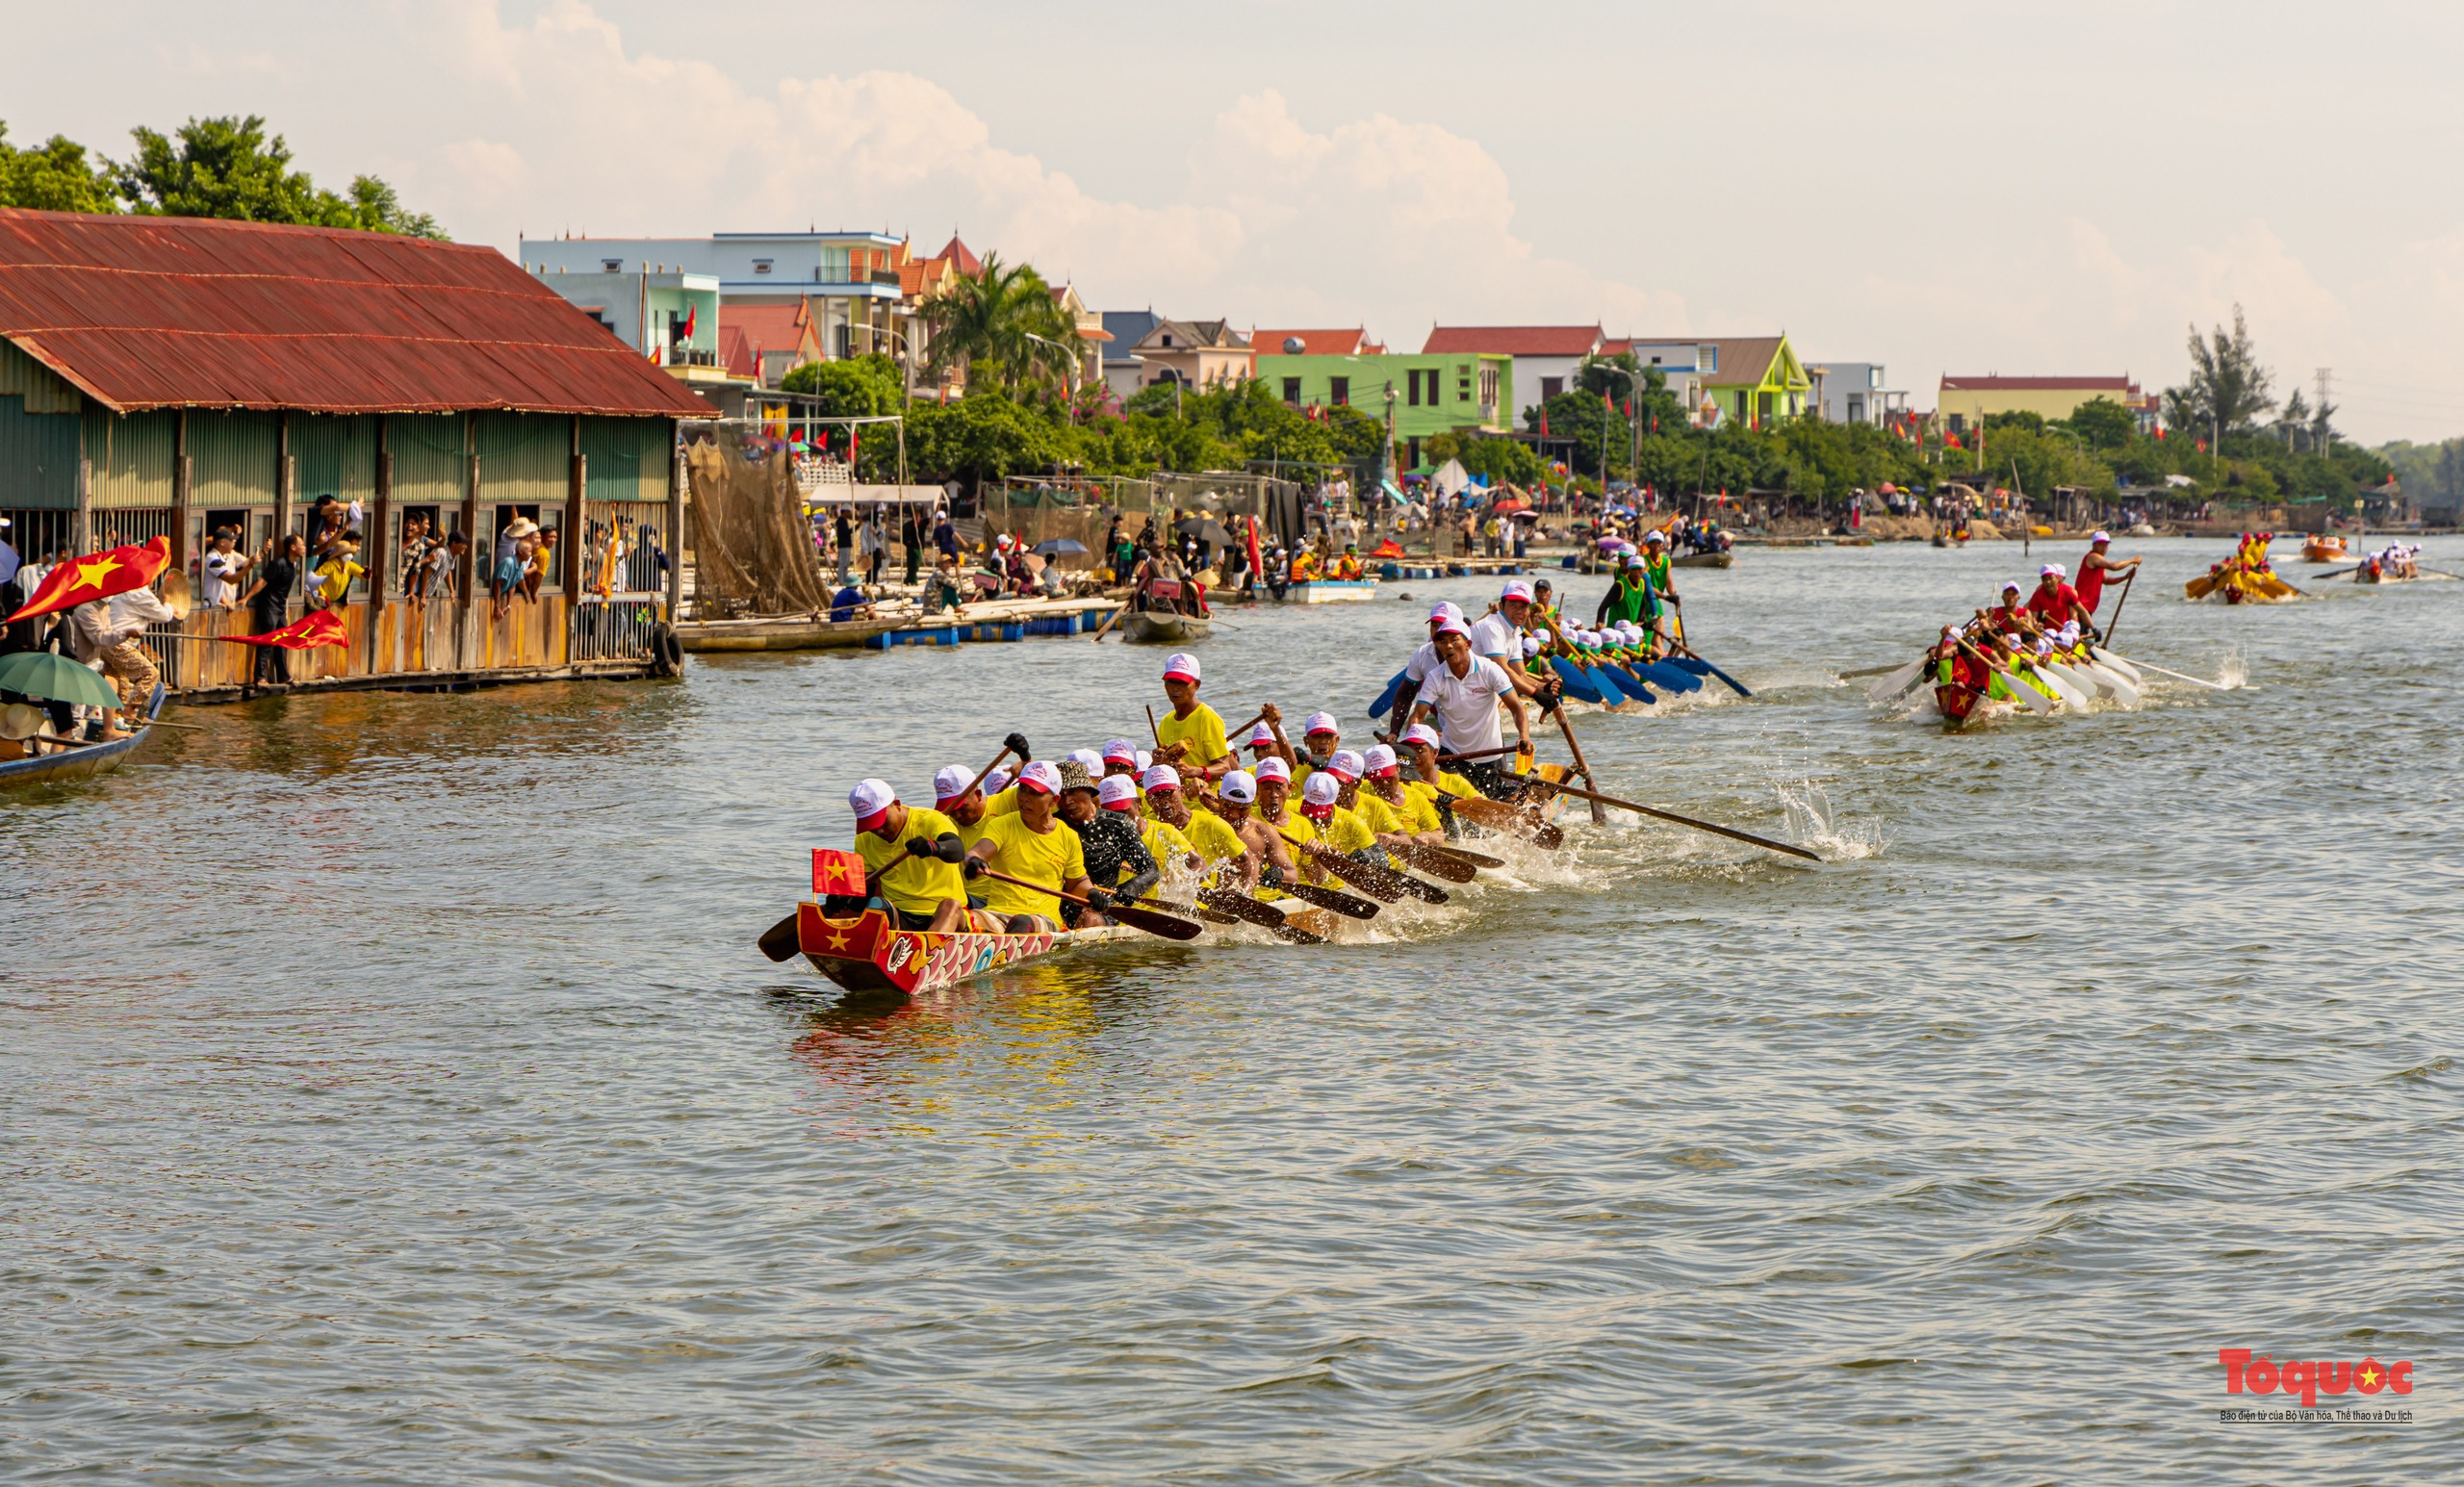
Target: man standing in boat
<point x="1192" y="724"/>
<point x="1464" y="694"/>
<point x="2093" y="567"/>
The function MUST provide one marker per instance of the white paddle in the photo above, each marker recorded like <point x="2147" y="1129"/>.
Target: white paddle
<point x="2127" y="671"/>
<point x="1896" y="683"/>
<point x="2213" y="686"/>
<point x="2065" y="684"/>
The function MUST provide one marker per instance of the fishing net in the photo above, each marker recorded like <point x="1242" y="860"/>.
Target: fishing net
<point x="752" y="548"/>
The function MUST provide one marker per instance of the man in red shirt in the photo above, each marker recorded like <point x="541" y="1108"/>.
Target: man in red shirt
<point x="2056" y="602"/>
<point x="2094" y="567"/>
<point x="2005" y="616"/>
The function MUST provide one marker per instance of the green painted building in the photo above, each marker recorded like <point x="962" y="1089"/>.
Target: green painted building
<point x="1427" y="394"/>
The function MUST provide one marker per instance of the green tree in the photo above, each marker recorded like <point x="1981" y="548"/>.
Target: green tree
<point x="2228" y="391"/>
<point x="1002" y="325"/>
<point x="2102" y="424"/>
<point x="227" y="168"/>
<point x="858" y="387"/>
<point x="981" y="438"/>
<point x="54" y="176"/>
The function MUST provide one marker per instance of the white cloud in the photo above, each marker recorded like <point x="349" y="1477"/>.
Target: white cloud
<point x="1376" y="219"/>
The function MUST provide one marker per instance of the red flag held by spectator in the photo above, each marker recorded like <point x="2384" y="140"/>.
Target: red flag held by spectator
<point x="317" y="628"/>
<point x="81" y="580"/>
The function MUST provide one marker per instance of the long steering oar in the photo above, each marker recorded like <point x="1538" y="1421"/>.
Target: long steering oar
<point x="1748" y="837"/>
<point x="2213" y="686"/>
<point x="1134" y="918"/>
<point x="1505" y="819"/>
<point x="1115" y="619"/>
<point x="1597" y="816"/>
<point x="2108" y="636"/>
<point x="780" y="941"/>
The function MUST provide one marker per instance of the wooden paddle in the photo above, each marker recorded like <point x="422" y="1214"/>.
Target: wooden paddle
<point x="1764" y="843"/>
<point x="1339" y="902"/>
<point x="1136" y="919"/>
<point x="1505" y="819"/>
<point x="1236" y="906"/>
<point x="1382" y="882"/>
<point x="1436" y="860"/>
<point x="1472" y="860"/>
<point x="1598" y="816"/>
<point x="1097" y="637"/>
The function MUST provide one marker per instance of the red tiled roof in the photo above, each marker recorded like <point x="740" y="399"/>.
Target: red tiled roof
<point x="2037" y="384"/>
<point x="152" y="312"/>
<point x="968" y="263"/>
<point x="1314" y="342"/>
<point x="1514" y="340"/>
<point x="749" y="332"/>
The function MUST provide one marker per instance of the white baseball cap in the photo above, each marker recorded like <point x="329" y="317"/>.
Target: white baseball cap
<point x="1144" y="758"/>
<point x="2051" y="571"/>
<point x="1321" y="790"/>
<point x="1181" y="667"/>
<point x="1380" y="759"/>
<point x="1041" y="777"/>
<point x="1238" y="788"/>
<point x="1422" y="733"/>
<point x="2010" y="588"/>
<point x="1117" y="793"/>
<point x="1445" y="609"/>
<point x="1119" y="751"/>
<point x="1346" y="763"/>
<point x="1530" y="646"/>
<point x="949" y="783"/>
<point x="1273" y="768"/>
<point x="1635" y="559"/>
<point x="1515" y="588"/>
<point x="1454" y="628"/>
<point x="997" y="782"/>
<point x="1093" y="761"/>
<point x="1163" y="777"/>
<point x="1262" y="737"/>
<point x="871" y="800"/>
<point x="2098" y="537"/>
<point x="1655" y="536"/>
<point x="1319" y="722"/>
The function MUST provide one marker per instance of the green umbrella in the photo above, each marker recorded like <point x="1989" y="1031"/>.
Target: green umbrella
<point x="47" y="674"/>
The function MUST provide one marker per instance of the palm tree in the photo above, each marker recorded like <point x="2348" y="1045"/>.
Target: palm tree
<point x="1003" y="322"/>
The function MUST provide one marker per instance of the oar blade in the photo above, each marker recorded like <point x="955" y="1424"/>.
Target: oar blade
<point x="1153" y="923"/>
<point x="779" y="941"/>
<point x="1343" y="904"/>
<point x="1435" y="860"/>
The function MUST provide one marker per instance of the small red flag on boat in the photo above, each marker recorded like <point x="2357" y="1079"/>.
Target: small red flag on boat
<point x="83" y="580"/>
<point x="315" y="628"/>
<point x="838" y="871"/>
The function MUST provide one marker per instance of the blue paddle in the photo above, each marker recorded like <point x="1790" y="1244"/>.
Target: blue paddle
<point x="1577" y="685"/>
<point x="1703" y="668"/>
<point x="1610" y="693"/>
<point x="1386" y="699"/>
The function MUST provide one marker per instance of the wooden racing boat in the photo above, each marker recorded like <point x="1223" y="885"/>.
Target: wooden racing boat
<point x="1958" y="704"/>
<point x="871" y="953"/>
<point x="85" y="762"/>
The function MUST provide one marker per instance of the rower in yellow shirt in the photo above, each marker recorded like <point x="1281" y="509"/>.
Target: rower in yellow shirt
<point x="1192" y="724"/>
<point x="923" y="888"/>
<point x="1413" y="811"/>
<point x="1207" y="835"/>
<point x="1435" y="783"/>
<point x="1273" y="810"/>
<point x="1034" y="844"/>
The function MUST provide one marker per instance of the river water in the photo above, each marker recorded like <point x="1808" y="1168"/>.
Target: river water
<point x="392" y="1092"/>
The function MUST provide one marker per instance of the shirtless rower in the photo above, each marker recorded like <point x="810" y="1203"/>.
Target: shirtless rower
<point x="924" y="890"/>
<point x="1031" y="843"/>
<point x="1264" y="860"/>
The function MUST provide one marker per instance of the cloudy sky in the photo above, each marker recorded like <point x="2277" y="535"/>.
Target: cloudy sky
<point x="1938" y="187"/>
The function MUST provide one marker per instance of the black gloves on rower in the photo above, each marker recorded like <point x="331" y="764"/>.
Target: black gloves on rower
<point x="1016" y="743"/>
<point x="1138" y="887"/>
<point x="1099" y="898"/>
<point x="949" y="848"/>
<point x="973" y="869"/>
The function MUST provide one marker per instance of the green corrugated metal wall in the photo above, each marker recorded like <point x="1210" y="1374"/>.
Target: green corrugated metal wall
<point x="37" y="457"/>
<point x="428" y="465"/>
<point x="524" y="457"/>
<point x="231" y="459"/>
<point x="334" y="456"/>
<point x="630" y="458"/>
<point x="131" y="456"/>
<point x="42" y="389"/>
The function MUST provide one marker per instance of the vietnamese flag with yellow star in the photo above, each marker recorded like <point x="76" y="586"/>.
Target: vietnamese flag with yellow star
<point x="82" y="579"/>
<point x="317" y="628"/>
<point x="838" y="871"/>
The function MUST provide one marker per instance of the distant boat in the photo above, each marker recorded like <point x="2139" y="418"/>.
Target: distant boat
<point x="1164" y="626"/>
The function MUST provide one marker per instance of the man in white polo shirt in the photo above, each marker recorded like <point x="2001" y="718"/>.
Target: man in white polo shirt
<point x="1463" y="695"/>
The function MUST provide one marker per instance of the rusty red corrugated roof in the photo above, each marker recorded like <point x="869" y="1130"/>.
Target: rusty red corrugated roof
<point x="155" y="312"/>
<point x="1513" y="340"/>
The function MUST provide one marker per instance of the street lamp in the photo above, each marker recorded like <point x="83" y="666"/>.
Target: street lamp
<point x="1069" y="378"/>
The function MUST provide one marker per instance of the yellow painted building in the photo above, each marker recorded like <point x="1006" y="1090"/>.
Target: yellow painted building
<point x="1963" y="403"/>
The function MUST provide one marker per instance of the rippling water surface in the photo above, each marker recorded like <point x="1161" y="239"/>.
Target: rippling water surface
<point x="392" y="1091"/>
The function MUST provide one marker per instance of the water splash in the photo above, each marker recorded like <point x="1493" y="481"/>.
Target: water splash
<point x="2234" y="671"/>
<point x="1814" y="824"/>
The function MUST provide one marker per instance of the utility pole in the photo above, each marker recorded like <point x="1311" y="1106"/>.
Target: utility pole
<point x="2323" y="373"/>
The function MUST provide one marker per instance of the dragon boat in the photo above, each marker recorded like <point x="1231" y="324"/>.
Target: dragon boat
<point x="871" y="953"/>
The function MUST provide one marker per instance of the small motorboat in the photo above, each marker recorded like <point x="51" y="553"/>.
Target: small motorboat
<point x="1164" y="626"/>
<point x="2324" y="550"/>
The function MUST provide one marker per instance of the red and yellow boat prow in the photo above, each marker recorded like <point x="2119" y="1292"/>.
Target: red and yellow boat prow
<point x="871" y="953"/>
